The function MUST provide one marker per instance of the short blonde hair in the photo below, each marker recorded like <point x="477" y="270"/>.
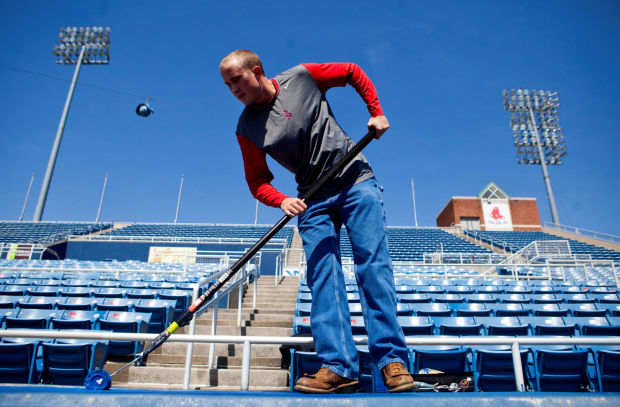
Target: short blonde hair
<point x="245" y="58"/>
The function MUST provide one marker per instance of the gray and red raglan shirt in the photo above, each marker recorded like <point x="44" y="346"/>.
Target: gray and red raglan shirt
<point x="299" y="131"/>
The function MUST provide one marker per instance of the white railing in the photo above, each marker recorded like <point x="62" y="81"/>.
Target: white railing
<point x="247" y="341"/>
<point x="243" y="275"/>
<point x="584" y="232"/>
<point x="175" y="239"/>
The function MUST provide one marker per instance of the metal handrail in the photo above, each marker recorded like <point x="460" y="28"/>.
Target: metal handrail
<point x="213" y="303"/>
<point x="248" y="341"/>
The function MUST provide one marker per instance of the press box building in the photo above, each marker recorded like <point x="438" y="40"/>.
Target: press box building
<point x="491" y="209"/>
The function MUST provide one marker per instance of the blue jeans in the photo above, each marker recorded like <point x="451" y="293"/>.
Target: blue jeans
<point x="360" y="209"/>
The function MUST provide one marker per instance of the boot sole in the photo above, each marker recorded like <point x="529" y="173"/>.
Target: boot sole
<point x="342" y="389"/>
<point x="404" y="388"/>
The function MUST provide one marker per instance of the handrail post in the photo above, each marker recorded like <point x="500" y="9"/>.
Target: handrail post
<point x="516" y="361"/>
<point x="213" y="330"/>
<point x="245" y="366"/>
<point x="240" y="299"/>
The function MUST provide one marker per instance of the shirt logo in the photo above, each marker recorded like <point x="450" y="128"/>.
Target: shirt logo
<point x="288" y="114"/>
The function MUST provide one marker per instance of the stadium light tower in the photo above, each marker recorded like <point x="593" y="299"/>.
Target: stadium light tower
<point x="91" y="46"/>
<point x="531" y="111"/>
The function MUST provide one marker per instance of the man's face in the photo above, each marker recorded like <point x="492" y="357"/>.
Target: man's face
<point x="243" y="83"/>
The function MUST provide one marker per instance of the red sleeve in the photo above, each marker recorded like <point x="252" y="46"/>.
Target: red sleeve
<point x="257" y="174"/>
<point x="340" y="74"/>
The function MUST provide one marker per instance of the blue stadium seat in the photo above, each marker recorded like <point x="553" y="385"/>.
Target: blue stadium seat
<point x="41" y="291"/>
<point x="413" y="298"/>
<point x="460" y="326"/>
<point x="562" y="370"/>
<point x="183" y="299"/>
<point x="38" y="302"/>
<point x="303" y="309"/>
<point x="110" y="292"/>
<point x="416" y="325"/>
<point x="75" y="303"/>
<point x="302" y="363"/>
<point x="77" y="319"/>
<point x="431" y="309"/>
<point x="17" y="362"/>
<point x="548" y="310"/>
<point x="304" y="297"/>
<point x="608" y="370"/>
<point x="503" y="326"/>
<point x="514" y="298"/>
<point x="162" y="313"/>
<point x="76" y="291"/>
<point x="142" y="293"/>
<point x="549" y="326"/>
<point x="587" y="310"/>
<point x="510" y="309"/>
<point x="66" y="364"/>
<point x="31" y="319"/>
<point x="301" y="326"/>
<point x="448" y="298"/>
<point x="116" y="304"/>
<point x="471" y="310"/>
<point x="131" y="322"/>
<point x="494" y="371"/>
<point x="443" y="358"/>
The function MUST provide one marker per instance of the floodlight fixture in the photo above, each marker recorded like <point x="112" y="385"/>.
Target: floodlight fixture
<point x="77" y="46"/>
<point x="536" y="132"/>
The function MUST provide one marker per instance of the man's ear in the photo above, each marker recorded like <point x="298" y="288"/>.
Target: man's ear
<point x="257" y="70"/>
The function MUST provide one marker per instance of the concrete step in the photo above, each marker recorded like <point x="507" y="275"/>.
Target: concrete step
<point x="256" y="362"/>
<point x="281" y="322"/>
<point x="246" y="330"/>
<point x="202" y="377"/>
<point x="231" y="350"/>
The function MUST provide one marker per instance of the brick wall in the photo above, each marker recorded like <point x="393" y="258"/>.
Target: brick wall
<point x="524" y="212"/>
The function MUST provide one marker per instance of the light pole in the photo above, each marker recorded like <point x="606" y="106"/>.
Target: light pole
<point x="531" y="111"/>
<point x="415" y="213"/>
<point x="90" y="45"/>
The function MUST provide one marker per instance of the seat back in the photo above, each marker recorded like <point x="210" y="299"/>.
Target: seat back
<point x="495" y="370"/>
<point x="302" y="363"/>
<point x="65" y="363"/>
<point x="562" y="370"/>
<point x="17" y="362"/>
<point x="447" y="361"/>
<point x="608" y="366"/>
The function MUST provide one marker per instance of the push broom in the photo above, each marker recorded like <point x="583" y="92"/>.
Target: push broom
<point x="101" y="380"/>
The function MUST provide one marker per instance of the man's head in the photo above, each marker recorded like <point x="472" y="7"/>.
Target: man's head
<point x="242" y="71"/>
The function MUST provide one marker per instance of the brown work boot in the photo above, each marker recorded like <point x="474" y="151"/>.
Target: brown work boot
<point x="325" y="381"/>
<point x="397" y="378"/>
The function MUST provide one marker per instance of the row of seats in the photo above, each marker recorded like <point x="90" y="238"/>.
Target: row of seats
<point x="487" y="326"/>
<point x="204" y="231"/>
<point x="410" y="244"/>
<point x="12" y="267"/>
<point x="156" y="314"/>
<point x="34" y="232"/>
<point x="56" y="361"/>
<point x="545" y="368"/>
<point x="513" y="241"/>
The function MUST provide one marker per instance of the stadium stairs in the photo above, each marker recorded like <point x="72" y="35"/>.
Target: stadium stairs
<point x="273" y="316"/>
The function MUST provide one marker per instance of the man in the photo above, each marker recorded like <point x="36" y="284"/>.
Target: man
<point x="289" y="118"/>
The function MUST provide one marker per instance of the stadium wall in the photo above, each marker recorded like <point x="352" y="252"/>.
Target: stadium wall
<point x="122" y="251"/>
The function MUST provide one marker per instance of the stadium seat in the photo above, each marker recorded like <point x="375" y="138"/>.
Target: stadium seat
<point x="302" y="363"/>
<point x="548" y="310"/>
<point x="417" y="325"/>
<point x="38" y="302"/>
<point x="76" y="319"/>
<point x="447" y="360"/>
<point x="131" y="322"/>
<point x="65" y="363"/>
<point x="431" y="309"/>
<point x="110" y="292"/>
<point x="31" y="319"/>
<point x="495" y="371"/>
<point x="115" y="304"/>
<point x="503" y="326"/>
<point x="17" y="362"/>
<point x="183" y="299"/>
<point x="562" y="370"/>
<point x="162" y="313"/>
<point x="549" y="326"/>
<point x="460" y="326"/>
<point x="608" y="370"/>
<point x="413" y="298"/>
<point x="75" y="303"/>
<point x="471" y="310"/>
<point x="509" y="310"/>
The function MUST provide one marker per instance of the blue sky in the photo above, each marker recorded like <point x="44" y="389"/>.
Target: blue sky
<point x="439" y="67"/>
